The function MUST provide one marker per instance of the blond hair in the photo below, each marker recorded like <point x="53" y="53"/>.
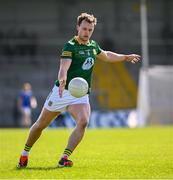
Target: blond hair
<point x="87" y="17"/>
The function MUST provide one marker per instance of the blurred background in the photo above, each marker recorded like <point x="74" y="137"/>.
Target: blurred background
<point x="32" y="34"/>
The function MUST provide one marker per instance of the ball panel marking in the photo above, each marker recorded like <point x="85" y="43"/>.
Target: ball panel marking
<point x="78" y="87"/>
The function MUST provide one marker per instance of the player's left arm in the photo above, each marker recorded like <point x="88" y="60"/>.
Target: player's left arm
<point x="112" y="57"/>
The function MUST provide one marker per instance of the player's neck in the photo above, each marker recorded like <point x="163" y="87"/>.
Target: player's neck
<point x="80" y="41"/>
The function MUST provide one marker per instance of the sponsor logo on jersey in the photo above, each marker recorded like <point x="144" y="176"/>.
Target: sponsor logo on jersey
<point x="89" y="62"/>
<point x="81" y="52"/>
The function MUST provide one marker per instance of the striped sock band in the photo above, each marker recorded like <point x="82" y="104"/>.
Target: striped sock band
<point x="27" y="148"/>
<point x="67" y="152"/>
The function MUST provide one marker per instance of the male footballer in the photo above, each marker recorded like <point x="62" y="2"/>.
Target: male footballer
<point x="77" y="60"/>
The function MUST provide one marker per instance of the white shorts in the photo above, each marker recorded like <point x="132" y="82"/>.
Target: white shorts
<point x="26" y="110"/>
<point x="56" y="104"/>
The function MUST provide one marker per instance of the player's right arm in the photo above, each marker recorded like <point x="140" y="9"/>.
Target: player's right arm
<point x="65" y="62"/>
<point x="62" y="75"/>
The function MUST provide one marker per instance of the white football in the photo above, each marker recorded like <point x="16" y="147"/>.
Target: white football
<point x="78" y="87"/>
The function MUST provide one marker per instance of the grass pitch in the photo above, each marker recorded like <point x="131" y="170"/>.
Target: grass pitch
<point x="103" y="153"/>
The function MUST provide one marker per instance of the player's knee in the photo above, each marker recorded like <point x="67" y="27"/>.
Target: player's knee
<point x="38" y="126"/>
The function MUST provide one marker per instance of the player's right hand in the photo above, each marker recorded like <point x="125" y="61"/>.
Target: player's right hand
<point x="62" y="84"/>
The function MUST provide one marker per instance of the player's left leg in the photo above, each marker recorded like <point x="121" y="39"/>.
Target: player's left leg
<point x="28" y="120"/>
<point x="81" y="113"/>
<point x="26" y="117"/>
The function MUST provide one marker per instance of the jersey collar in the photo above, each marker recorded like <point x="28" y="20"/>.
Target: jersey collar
<point x="79" y="42"/>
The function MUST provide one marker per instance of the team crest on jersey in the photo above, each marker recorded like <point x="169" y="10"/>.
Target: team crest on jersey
<point x="89" y="62"/>
<point x="94" y="52"/>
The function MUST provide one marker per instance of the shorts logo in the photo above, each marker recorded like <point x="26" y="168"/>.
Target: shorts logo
<point x="50" y="103"/>
<point x="89" y="62"/>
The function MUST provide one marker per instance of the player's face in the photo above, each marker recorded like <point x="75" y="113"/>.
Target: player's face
<point x="85" y="30"/>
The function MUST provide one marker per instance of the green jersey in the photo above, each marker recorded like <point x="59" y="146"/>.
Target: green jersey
<point x="83" y="57"/>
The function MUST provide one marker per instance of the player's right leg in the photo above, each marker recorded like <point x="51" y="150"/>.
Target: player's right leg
<point x="42" y="122"/>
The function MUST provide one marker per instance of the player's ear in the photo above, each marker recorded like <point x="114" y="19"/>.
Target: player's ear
<point x="77" y="27"/>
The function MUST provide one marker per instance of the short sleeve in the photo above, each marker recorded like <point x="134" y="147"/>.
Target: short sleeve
<point x="67" y="51"/>
<point x="98" y="49"/>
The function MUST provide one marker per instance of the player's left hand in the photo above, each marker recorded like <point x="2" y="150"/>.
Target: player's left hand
<point x="133" y="58"/>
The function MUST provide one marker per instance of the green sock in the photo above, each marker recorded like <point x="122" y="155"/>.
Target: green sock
<point x="67" y="152"/>
<point x="26" y="150"/>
